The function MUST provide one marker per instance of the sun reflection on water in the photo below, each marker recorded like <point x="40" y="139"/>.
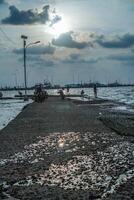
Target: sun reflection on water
<point x="61" y="142"/>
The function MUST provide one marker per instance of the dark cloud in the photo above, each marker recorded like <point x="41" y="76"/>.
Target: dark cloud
<point x="122" y="57"/>
<point x="125" y="41"/>
<point x="22" y="17"/>
<point x="3" y="2"/>
<point x="37" y="61"/>
<point x="125" y="59"/>
<point x="66" y="40"/>
<point x="40" y="62"/>
<point x="76" y="58"/>
<point x="45" y="63"/>
<point x="37" y="50"/>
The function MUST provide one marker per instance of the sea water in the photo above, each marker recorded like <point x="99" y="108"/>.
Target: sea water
<point x="9" y="109"/>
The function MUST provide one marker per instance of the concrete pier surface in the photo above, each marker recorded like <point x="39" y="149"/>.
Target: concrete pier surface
<point x="63" y="150"/>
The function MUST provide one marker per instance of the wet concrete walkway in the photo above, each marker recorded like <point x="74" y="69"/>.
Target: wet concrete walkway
<point x="60" y="150"/>
<point x="40" y="119"/>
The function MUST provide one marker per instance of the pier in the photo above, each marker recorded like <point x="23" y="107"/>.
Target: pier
<point x="65" y="149"/>
<point x="32" y="96"/>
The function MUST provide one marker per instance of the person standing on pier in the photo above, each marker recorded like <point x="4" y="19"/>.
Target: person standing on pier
<point x="82" y="93"/>
<point x="68" y="89"/>
<point x="61" y="92"/>
<point x="95" y="90"/>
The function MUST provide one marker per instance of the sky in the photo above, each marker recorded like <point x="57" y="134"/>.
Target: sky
<point x="80" y="40"/>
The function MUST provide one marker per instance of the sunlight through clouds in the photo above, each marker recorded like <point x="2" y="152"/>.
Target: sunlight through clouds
<point x="62" y="26"/>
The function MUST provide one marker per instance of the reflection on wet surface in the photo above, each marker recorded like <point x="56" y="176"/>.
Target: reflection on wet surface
<point x="47" y="146"/>
<point x="61" y="142"/>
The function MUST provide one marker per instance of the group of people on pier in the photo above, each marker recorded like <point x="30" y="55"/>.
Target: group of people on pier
<point x="62" y="92"/>
<point x="40" y="94"/>
<point x="94" y="90"/>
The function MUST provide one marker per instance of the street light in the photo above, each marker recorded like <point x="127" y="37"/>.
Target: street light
<point x="25" y="46"/>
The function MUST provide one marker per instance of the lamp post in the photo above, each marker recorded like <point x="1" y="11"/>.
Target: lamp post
<point x="25" y="46"/>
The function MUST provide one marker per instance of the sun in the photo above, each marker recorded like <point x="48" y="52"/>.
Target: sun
<point x="60" y="27"/>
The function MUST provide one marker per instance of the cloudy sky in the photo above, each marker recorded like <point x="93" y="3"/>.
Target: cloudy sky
<point x="79" y="40"/>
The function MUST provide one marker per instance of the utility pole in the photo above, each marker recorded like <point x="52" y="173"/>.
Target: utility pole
<point x="78" y="79"/>
<point x="25" y="72"/>
<point x="73" y="78"/>
<point x="25" y="46"/>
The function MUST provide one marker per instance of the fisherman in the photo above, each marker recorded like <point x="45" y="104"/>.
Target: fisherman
<point x="82" y="93"/>
<point x="68" y="89"/>
<point x="40" y="95"/>
<point x="95" y="90"/>
<point x="20" y="93"/>
<point x="62" y="95"/>
<point x="45" y="94"/>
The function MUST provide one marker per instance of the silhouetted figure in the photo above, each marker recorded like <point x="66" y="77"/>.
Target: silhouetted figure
<point x="39" y="89"/>
<point x="82" y="93"/>
<point x="20" y="93"/>
<point x="1" y="94"/>
<point x="40" y="95"/>
<point x="68" y="89"/>
<point x="46" y="94"/>
<point x="95" y="90"/>
<point x="62" y="95"/>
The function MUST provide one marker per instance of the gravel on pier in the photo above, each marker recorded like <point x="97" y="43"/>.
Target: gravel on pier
<point x="58" y="150"/>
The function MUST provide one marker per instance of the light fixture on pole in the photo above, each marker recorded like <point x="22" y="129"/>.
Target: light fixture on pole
<point x="25" y="70"/>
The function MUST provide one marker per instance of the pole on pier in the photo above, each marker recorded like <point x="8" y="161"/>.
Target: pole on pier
<point x="25" y="68"/>
<point x="25" y="71"/>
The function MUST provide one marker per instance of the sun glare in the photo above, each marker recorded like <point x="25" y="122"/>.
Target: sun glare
<point x="60" y="27"/>
<point x="61" y="142"/>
